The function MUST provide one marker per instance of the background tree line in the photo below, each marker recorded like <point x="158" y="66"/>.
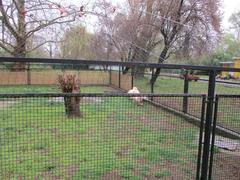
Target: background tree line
<point x="179" y="31"/>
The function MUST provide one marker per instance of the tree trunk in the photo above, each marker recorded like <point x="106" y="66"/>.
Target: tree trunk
<point x="20" y="47"/>
<point x="160" y="61"/>
<point x="72" y="106"/>
<point x="139" y="57"/>
<point x="139" y="72"/>
<point x="19" y="51"/>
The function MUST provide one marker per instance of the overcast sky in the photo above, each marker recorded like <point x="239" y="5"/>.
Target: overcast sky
<point x="229" y="7"/>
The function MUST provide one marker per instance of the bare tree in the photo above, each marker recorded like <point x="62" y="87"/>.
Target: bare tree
<point x="22" y="19"/>
<point x="185" y="27"/>
<point x="235" y="23"/>
<point x="128" y="32"/>
<point x="186" y="23"/>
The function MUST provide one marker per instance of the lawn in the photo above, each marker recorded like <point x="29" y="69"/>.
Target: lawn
<point x="174" y="85"/>
<point x="49" y="89"/>
<point x="162" y="85"/>
<point x="228" y="113"/>
<point x="115" y="139"/>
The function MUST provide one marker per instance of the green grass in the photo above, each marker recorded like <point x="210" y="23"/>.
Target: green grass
<point x="37" y="140"/>
<point x="228" y="108"/>
<point x="173" y="85"/>
<point x="162" y="174"/>
<point x="228" y="113"/>
<point x="162" y="85"/>
<point x="49" y="89"/>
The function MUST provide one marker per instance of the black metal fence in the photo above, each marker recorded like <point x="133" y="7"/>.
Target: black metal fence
<point x="115" y="137"/>
<point x="172" y="132"/>
<point x="226" y="151"/>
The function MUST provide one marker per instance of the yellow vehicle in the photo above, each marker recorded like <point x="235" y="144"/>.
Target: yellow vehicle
<point x="231" y="64"/>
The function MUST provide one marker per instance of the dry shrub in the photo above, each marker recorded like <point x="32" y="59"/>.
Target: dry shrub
<point x="68" y="83"/>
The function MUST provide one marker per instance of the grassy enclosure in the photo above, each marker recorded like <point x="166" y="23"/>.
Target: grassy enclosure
<point x="162" y="85"/>
<point x="114" y="139"/>
<point x="175" y="85"/>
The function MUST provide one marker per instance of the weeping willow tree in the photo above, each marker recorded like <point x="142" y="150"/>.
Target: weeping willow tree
<point x="76" y="43"/>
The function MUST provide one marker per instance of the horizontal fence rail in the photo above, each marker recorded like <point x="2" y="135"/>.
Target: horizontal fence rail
<point x="117" y="63"/>
<point x="107" y="94"/>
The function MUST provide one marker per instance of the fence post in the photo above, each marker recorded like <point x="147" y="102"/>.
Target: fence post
<point x="110" y="76"/>
<point x="208" y="125"/>
<point x="186" y="87"/>
<point x="200" y="137"/>
<point x="213" y="136"/>
<point x="152" y="85"/>
<point x="28" y="74"/>
<point x="132" y="83"/>
<point x="119" y="77"/>
<point x="79" y="83"/>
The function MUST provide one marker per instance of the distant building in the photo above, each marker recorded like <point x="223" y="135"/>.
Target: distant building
<point x="97" y="67"/>
<point x="231" y="64"/>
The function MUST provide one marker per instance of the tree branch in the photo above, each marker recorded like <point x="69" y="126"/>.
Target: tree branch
<point x="6" y="21"/>
<point x="5" y="48"/>
<point x="53" y="21"/>
<point x="41" y="44"/>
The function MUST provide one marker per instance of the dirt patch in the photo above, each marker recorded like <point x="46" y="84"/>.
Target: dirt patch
<point x="6" y="104"/>
<point x="87" y="100"/>
<point x="71" y="171"/>
<point x="226" y="166"/>
<point x="92" y="100"/>
<point x="163" y="122"/>
<point x="48" y="175"/>
<point x="119" y="128"/>
<point x="68" y="173"/>
<point x="123" y="152"/>
<point x="112" y="175"/>
<point x="126" y="132"/>
<point x="170" y="172"/>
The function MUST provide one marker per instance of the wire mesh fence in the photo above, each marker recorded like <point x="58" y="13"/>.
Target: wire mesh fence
<point x="191" y="106"/>
<point x="116" y="135"/>
<point x="228" y="112"/>
<point x="174" y="83"/>
<point x="112" y="75"/>
<point x="113" y="137"/>
<point x="226" y="150"/>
